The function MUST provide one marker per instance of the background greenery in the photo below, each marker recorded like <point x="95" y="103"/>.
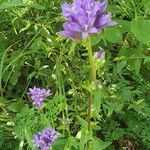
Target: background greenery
<point x="32" y="52"/>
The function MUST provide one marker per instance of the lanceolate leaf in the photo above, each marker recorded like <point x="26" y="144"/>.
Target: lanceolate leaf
<point x="100" y="145"/>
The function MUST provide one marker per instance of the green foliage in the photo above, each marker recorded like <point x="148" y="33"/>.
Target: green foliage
<point x="140" y="27"/>
<point x="25" y="120"/>
<point x="98" y="144"/>
<point x="32" y="53"/>
<point x="116" y="38"/>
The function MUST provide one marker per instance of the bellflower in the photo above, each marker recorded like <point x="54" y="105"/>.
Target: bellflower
<point x="99" y="59"/>
<point x="85" y="17"/>
<point x="44" y="139"/>
<point x="38" y="95"/>
<point x="100" y="54"/>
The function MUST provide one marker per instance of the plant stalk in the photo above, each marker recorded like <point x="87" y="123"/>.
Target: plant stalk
<point x="93" y="77"/>
<point x="91" y="60"/>
<point x="93" y="80"/>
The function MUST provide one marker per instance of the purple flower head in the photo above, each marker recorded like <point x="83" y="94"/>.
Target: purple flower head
<point x="44" y="139"/>
<point x="100" y="54"/>
<point x="85" y="17"/>
<point x="38" y="96"/>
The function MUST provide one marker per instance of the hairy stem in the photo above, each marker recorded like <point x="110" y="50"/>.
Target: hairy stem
<point x="91" y="60"/>
<point x="93" y="79"/>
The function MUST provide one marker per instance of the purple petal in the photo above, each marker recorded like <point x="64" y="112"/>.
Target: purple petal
<point x="38" y="96"/>
<point x="103" y="6"/>
<point x="103" y="21"/>
<point x="44" y="139"/>
<point x="66" y="8"/>
<point x="72" y="27"/>
<point x="85" y="17"/>
<point x="93" y="30"/>
<point x="100" y="54"/>
<point x="112" y="23"/>
<point x="84" y="35"/>
<point x="70" y="34"/>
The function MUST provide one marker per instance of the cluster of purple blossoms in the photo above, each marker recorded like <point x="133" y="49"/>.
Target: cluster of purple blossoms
<point x="44" y="139"/>
<point x="38" y="95"/>
<point x="85" y="17"/>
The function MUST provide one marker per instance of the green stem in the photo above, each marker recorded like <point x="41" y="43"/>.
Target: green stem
<point x="43" y="117"/>
<point x="91" y="60"/>
<point x="93" y="77"/>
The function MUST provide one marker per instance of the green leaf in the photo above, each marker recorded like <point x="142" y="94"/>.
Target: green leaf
<point x="37" y="6"/>
<point x="146" y="60"/>
<point x="26" y="26"/>
<point x="120" y="66"/>
<point x="16" y="106"/>
<point x="100" y="145"/>
<point x="123" y="26"/>
<point x="59" y="143"/>
<point x="96" y="104"/>
<point x="2" y="139"/>
<point x="3" y="100"/>
<point x="56" y="106"/>
<point x="14" y="77"/>
<point x="113" y="35"/>
<point x="96" y="39"/>
<point x="37" y="44"/>
<point x="85" y="136"/>
<point x="137" y="65"/>
<point x="29" y="138"/>
<point x="82" y="122"/>
<point x="140" y="27"/>
<point x="71" y="142"/>
<point x="6" y="5"/>
<point x="21" y="145"/>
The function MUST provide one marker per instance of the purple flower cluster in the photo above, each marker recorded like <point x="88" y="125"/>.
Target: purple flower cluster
<point x="44" y="139"/>
<point x="85" y="17"/>
<point x="38" y="96"/>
